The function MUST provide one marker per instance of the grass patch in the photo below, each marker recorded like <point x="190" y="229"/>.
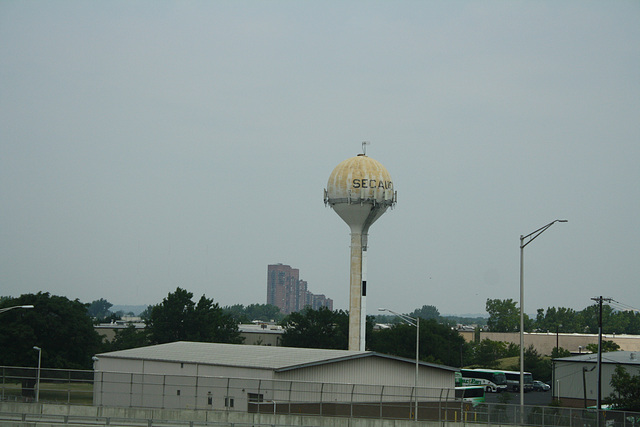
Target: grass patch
<point x="76" y="393"/>
<point x="509" y="363"/>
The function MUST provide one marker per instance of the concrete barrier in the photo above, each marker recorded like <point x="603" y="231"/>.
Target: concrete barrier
<point x="52" y="415"/>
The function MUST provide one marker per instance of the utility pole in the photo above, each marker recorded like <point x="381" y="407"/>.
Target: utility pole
<point x="599" y="300"/>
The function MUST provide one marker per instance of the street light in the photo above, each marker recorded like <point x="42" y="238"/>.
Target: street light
<point x="558" y="326"/>
<point x="531" y="236"/>
<point x="2" y="310"/>
<point x="38" y="380"/>
<point x="413" y="321"/>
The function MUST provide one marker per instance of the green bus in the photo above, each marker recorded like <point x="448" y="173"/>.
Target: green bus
<point x="493" y="381"/>
<point x="474" y="394"/>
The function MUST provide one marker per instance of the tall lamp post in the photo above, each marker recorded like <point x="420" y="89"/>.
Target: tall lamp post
<point x="531" y="236"/>
<point x="38" y="380"/>
<point x="558" y="326"/>
<point x="2" y="310"/>
<point x="413" y="321"/>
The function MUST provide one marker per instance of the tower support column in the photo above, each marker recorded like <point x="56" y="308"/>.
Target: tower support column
<point x="356" y="338"/>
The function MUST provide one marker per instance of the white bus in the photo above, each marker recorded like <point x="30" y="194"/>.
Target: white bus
<point x="513" y="381"/>
<point x="493" y="381"/>
<point x="474" y="394"/>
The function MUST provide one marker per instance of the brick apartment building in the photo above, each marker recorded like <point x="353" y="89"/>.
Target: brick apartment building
<point x="286" y="291"/>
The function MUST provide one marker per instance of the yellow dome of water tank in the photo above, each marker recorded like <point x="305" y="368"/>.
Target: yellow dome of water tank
<point x="360" y="190"/>
<point x="360" y="179"/>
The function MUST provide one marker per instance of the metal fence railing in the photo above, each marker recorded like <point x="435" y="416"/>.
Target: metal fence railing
<point x="48" y="420"/>
<point x="569" y="417"/>
<point x="269" y="396"/>
<point x="68" y="386"/>
<point x="132" y="390"/>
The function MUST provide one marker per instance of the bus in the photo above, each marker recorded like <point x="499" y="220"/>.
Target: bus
<point x="473" y="394"/>
<point x="513" y="381"/>
<point x="493" y="381"/>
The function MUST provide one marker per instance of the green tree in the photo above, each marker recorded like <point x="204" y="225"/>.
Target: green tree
<point x="626" y="390"/>
<point x="426" y="312"/>
<point x="237" y="312"/>
<point x="559" y="319"/>
<point x="632" y="321"/>
<point x="210" y="323"/>
<point x="567" y="320"/>
<point x="261" y="312"/>
<point x="178" y="318"/>
<point x="589" y="319"/>
<point x="99" y="309"/>
<point x="459" y="320"/>
<point x="607" y="346"/>
<point x="146" y="314"/>
<point x="512" y="350"/>
<point x="60" y="327"/>
<point x="539" y="366"/>
<point x="438" y="343"/>
<point x="559" y="352"/>
<point x="488" y="352"/>
<point x="130" y="337"/>
<point x="321" y="328"/>
<point x="264" y="312"/>
<point x="504" y="316"/>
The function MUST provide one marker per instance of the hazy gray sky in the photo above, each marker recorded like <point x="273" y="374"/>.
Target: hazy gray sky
<point x="150" y="145"/>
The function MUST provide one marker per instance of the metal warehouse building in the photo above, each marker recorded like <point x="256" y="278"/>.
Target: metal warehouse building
<point x="194" y="375"/>
<point x="576" y="378"/>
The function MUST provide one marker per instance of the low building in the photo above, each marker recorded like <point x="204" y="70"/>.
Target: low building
<point x="108" y="330"/>
<point x="545" y="342"/>
<point x="268" y="334"/>
<point x="576" y="377"/>
<point x="193" y="375"/>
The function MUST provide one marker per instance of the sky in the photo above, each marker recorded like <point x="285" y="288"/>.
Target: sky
<point x="151" y="145"/>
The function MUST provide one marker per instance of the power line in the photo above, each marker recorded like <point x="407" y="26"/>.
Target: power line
<point x="622" y="307"/>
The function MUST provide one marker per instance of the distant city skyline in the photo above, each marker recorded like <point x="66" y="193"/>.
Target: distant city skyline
<point x="289" y="293"/>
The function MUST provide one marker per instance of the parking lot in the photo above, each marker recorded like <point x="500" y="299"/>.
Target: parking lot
<point x="537" y="398"/>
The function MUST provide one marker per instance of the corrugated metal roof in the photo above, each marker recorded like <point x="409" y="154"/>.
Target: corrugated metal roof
<point x="248" y="356"/>
<point x="621" y="357"/>
<point x="266" y="357"/>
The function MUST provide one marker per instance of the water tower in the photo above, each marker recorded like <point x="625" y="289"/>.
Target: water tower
<point x="360" y="190"/>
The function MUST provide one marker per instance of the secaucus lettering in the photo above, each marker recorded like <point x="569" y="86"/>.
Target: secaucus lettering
<point x="372" y="183"/>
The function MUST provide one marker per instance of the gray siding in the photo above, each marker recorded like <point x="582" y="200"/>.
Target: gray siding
<point x="372" y="370"/>
<point x="569" y="379"/>
<point x="130" y="379"/>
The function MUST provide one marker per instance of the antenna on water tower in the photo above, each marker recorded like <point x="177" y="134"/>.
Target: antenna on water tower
<point x="359" y="190"/>
<point x="364" y="147"/>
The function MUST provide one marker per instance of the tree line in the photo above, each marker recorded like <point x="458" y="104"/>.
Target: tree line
<point x="504" y="316"/>
<point x="64" y="330"/>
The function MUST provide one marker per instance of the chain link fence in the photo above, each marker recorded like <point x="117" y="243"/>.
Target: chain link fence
<point x="20" y="384"/>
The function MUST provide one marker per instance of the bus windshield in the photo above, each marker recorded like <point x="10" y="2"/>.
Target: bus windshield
<point x="470" y="394"/>
<point x="499" y="378"/>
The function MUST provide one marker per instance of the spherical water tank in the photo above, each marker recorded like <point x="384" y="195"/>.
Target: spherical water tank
<point x="360" y="190"/>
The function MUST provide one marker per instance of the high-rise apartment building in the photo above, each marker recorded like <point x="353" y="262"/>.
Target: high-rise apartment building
<point x="281" y="280"/>
<point x="317" y="301"/>
<point x="286" y="291"/>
